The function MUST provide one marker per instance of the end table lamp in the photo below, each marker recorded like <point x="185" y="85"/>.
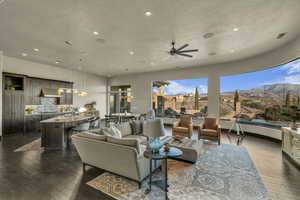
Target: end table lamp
<point x="154" y="129"/>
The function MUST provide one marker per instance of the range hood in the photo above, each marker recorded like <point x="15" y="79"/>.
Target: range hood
<point x="47" y="92"/>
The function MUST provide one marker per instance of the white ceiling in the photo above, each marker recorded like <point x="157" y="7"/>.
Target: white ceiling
<point x="123" y="27"/>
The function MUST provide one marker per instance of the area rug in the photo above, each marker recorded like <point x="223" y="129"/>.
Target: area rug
<point x="223" y="172"/>
<point x="35" y="145"/>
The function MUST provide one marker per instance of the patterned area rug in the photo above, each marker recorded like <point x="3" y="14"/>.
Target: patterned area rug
<point x="35" y="145"/>
<point x="225" y="172"/>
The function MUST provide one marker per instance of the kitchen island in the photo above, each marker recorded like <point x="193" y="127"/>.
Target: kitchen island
<point x="56" y="131"/>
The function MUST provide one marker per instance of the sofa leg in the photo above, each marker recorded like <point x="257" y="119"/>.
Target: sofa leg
<point x="140" y="185"/>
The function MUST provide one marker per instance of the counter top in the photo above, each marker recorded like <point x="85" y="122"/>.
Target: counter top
<point x="48" y="113"/>
<point x="67" y="119"/>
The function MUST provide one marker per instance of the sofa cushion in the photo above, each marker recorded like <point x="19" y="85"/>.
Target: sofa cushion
<point x="112" y="131"/>
<point x="124" y="141"/>
<point x="209" y="132"/>
<point x="140" y="138"/>
<point x="125" y="128"/>
<point x="137" y="127"/>
<point x="90" y="135"/>
<point x="181" y="129"/>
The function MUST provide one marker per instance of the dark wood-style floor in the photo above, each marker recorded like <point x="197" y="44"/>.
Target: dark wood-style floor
<point x="57" y="175"/>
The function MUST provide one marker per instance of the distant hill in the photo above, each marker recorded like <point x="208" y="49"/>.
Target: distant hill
<point x="274" y="88"/>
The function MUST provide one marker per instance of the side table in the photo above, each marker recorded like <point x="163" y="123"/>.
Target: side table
<point x="164" y="156"/>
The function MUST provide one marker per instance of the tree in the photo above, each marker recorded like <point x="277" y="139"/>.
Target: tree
<point x="196" y="99"/>
<point x="236" y="99"/>
<point x="288" y="99"/>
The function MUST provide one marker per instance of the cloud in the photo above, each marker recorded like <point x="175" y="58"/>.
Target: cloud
<point x="292" y="67"/>
<point x="177" y="88"/>
<point x="293" y="79"/>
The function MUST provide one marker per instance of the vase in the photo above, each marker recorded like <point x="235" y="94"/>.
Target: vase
<point x="155" y="144"/>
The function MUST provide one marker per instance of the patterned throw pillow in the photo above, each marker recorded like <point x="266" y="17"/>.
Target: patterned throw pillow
<point x="137" y="127"/>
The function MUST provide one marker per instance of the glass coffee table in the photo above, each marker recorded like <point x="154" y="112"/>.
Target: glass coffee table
<point x="164" y="156"/>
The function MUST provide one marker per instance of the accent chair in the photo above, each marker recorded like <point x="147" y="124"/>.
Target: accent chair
<point x="210" y="130"/>
<point x="183" y="127"/>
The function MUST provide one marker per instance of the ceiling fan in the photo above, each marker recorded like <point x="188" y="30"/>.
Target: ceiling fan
<point x="180" y="51"/>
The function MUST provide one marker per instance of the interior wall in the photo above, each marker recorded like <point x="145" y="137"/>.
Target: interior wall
<point x="141" y="83"/>
<point x="94" y="85"/>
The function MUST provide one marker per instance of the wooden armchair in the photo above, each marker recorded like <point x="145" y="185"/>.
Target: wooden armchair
<point x="183" y="127"/>
<point x="210" y="130"/>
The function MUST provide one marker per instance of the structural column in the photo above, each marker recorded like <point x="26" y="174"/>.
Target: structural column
<point x="1" y="70"/>
<point x="213" y="95"/>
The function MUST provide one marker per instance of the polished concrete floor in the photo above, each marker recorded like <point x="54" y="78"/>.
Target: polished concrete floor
<point x="58" y="175"/>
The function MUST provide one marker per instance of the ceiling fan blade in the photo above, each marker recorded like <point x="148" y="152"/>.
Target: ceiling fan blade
<point x="186" y="51"/>
<point x="186" y="55"/>
<point x="182" y="47"/>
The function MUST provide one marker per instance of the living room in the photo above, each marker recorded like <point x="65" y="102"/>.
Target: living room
<point x="150" y="100"/>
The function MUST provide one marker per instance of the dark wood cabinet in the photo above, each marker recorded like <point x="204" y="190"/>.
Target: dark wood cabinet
<point x="32" y="123"/>
<point x="21" y="90"/>
<point x="13" y="111"/>
<point x="33" y="87"/>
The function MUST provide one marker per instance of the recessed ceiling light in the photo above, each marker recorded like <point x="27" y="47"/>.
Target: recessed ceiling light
<point x="131" y="52"/>
<point x="57" y="62"/>
<point x="281" y="35"/>
<point x="235" y="29"/>
<point x="232" y="50"/>
<point x="208" y="35"/>
<point x="68" y="43"/>
<point x="24" y="54"/>
<point x="96" y="33"/>
<point x="148" y="13"/>
<point x="36" y="49"/>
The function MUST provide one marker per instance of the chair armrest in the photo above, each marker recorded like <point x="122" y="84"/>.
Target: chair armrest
<point x="176" y="124"/>
<point x="190" y="127"/>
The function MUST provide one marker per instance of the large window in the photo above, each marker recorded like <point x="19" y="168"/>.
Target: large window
<point x="268" y="96"/>
<point x="177" y="97"/>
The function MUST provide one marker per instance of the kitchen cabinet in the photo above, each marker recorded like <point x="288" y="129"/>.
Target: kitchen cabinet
<point x="13" y="111"/>
<point x="32" y="123"/>
<point x="34" y="86"/>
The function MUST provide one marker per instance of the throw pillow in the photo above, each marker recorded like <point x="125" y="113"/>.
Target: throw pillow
<point x="137" y="127"/>
<point x="116" y="132"/>
<point x="125" y="128"/>
<point x="111" y="132"/>
<point x="123" y="141"/>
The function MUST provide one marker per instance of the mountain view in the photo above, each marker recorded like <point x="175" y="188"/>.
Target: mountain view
<point x="275" y="102"/>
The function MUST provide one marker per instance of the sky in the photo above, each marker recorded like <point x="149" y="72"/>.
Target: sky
<point x="287" y="73"/>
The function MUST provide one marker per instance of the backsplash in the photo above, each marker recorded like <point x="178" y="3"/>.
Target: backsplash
<point x="47" y="105"/>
